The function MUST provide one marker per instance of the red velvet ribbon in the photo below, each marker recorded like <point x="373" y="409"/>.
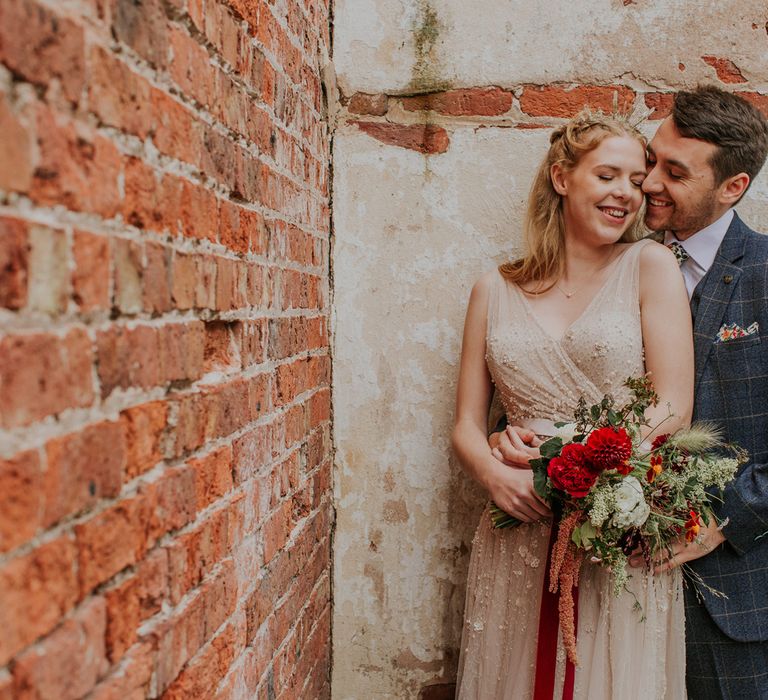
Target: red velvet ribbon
<point x="549" y="624"/>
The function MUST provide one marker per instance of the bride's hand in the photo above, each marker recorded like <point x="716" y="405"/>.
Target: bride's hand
<point x="515" y="446"/>
<point x="512" y="490"/>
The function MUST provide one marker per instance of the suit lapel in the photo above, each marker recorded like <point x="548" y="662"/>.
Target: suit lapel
<point x="710" y="299"/>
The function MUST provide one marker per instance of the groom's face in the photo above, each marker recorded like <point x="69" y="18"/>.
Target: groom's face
<point x="680" y="187"/>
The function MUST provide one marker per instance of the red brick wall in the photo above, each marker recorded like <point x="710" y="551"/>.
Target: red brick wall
<point x="165" y="506"/>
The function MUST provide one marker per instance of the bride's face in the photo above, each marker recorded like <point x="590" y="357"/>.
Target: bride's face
<point x="602" y="195"/>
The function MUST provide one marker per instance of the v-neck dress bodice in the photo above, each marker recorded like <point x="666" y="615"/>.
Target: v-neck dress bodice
<point x="538" y="376"/>
<point x="622" y="654"/>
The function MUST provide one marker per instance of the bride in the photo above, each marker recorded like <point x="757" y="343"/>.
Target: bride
<point x="588" y="306"/>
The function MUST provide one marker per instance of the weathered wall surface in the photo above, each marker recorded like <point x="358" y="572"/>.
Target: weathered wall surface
<point x="165" y="502"/>
<point x="436" y="145"/>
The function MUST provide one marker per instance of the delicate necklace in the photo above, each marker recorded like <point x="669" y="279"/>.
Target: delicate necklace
<point x="568" y="295"/>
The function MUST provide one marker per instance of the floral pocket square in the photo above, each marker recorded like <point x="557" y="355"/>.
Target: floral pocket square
<point x="731" y="331"/>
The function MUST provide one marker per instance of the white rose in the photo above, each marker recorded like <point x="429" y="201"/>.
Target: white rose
<point x="631" y="508"/>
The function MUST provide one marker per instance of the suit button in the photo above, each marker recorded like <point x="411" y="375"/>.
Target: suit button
<point x="728" y="279"/>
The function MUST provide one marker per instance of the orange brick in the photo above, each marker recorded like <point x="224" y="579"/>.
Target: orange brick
<point x="142" y="27"/>
<point x="210" y="666"/>
<point x="41" y="46"/>
<point x="134" y="600"/>
<point x="486" y="102"/>
<point x="69" y="662"/>
<point x="16" y="159"/>
<point x="144" y="427"/>
<point x="83" y="467"/>
<point x="373" y="105"/>
<point x="130" y="681"/>
<point x="156" y="282"/>
<point x="213" y="476"/>
<point x="128" y="269"/>
<point x="184" y="271"/>
<point x="43" y="374"/>
<point x="727" y="71"/>
<point x="109" y="542"/>
<point x="14" y="258"/>
<point x="557" y="101"/>
<point x="117" y="95"/>
<point x="660" y="103"/>
<point x="221" y="352"/>
<point x="90" y="278"/>
<point x="37" y="589"/>
<point x="169" y="502"/>
<point x="78" y="168"/>
<point x="192" y="555"/>
<point x="423" y="138"/>
<point x="21" y="499"/>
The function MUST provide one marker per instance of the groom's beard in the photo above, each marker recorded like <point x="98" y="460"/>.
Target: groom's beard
<point x="686" y="220"/>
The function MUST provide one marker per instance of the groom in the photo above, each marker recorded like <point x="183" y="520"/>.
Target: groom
<point x="700" y="162"/>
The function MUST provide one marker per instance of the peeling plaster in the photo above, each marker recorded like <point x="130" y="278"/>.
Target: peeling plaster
<point x="412" y="234"/>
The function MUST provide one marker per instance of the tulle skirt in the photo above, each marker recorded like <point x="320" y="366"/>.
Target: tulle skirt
<point x="629" y="646"/>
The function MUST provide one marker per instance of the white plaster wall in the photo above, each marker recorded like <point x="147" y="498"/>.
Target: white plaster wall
<point x="411" y="234"/>
<point x="487" y="42"/>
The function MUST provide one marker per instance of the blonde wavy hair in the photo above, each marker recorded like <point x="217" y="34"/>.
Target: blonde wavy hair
<point x="544" y="227"/>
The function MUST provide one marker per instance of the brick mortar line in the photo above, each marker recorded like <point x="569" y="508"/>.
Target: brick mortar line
<point x="118" y="228"/>
<point x="12" y="323"/>
<point x="73" y="420"/>
<point x="150" y="625"/>
<point x="67" y="528"/>
<point x="187" y="22"/>
<point x="311" y="633"/>
<point x="135" y="145"/>
<point x="235" y="667"/>
<point x="173" y="15"/>
<point x="292" y="633"/>
<point x="162" y="80"/>
<point x="297" y="88"/>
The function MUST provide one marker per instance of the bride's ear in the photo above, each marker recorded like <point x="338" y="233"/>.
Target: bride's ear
<point x="557" y="175"/>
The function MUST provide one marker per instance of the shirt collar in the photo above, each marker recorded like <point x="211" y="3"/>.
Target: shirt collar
<point x="703" y="245"/>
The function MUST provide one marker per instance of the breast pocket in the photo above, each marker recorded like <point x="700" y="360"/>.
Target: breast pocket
<point x="737" y="344"/>
<point x="741" y="370"/>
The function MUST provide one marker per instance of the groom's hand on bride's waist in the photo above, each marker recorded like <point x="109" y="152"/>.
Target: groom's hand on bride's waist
<point x="515" y="446"/>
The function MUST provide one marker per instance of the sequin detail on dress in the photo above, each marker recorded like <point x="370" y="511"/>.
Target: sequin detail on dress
<point x="538" y="376"/>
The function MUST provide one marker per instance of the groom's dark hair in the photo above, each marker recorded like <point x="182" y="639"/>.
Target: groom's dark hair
<point x="728" y="121"/>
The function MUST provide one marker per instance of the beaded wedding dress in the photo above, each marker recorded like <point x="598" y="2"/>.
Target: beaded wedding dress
<point x="623" y="654"/>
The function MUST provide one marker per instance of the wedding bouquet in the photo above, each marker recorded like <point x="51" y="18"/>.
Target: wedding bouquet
<point x="614" y="494"/>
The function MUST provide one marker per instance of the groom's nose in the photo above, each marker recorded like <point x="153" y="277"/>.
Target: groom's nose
<point x="652" y="182"/>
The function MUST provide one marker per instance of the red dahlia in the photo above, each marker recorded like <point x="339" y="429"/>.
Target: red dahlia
<point x="659" y="440"/>
<point x="570" y="472"/>
<point x="608" y="448"/>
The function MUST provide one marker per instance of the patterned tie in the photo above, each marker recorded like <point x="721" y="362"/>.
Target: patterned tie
<point x="679" y="251"/>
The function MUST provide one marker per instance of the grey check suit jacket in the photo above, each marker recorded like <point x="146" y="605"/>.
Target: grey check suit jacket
<point x="732" y="390"/>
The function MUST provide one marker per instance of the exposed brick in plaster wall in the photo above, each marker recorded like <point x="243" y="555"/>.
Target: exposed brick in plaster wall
<point x="423" y="122"/>
<point x="165" y="454"/>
